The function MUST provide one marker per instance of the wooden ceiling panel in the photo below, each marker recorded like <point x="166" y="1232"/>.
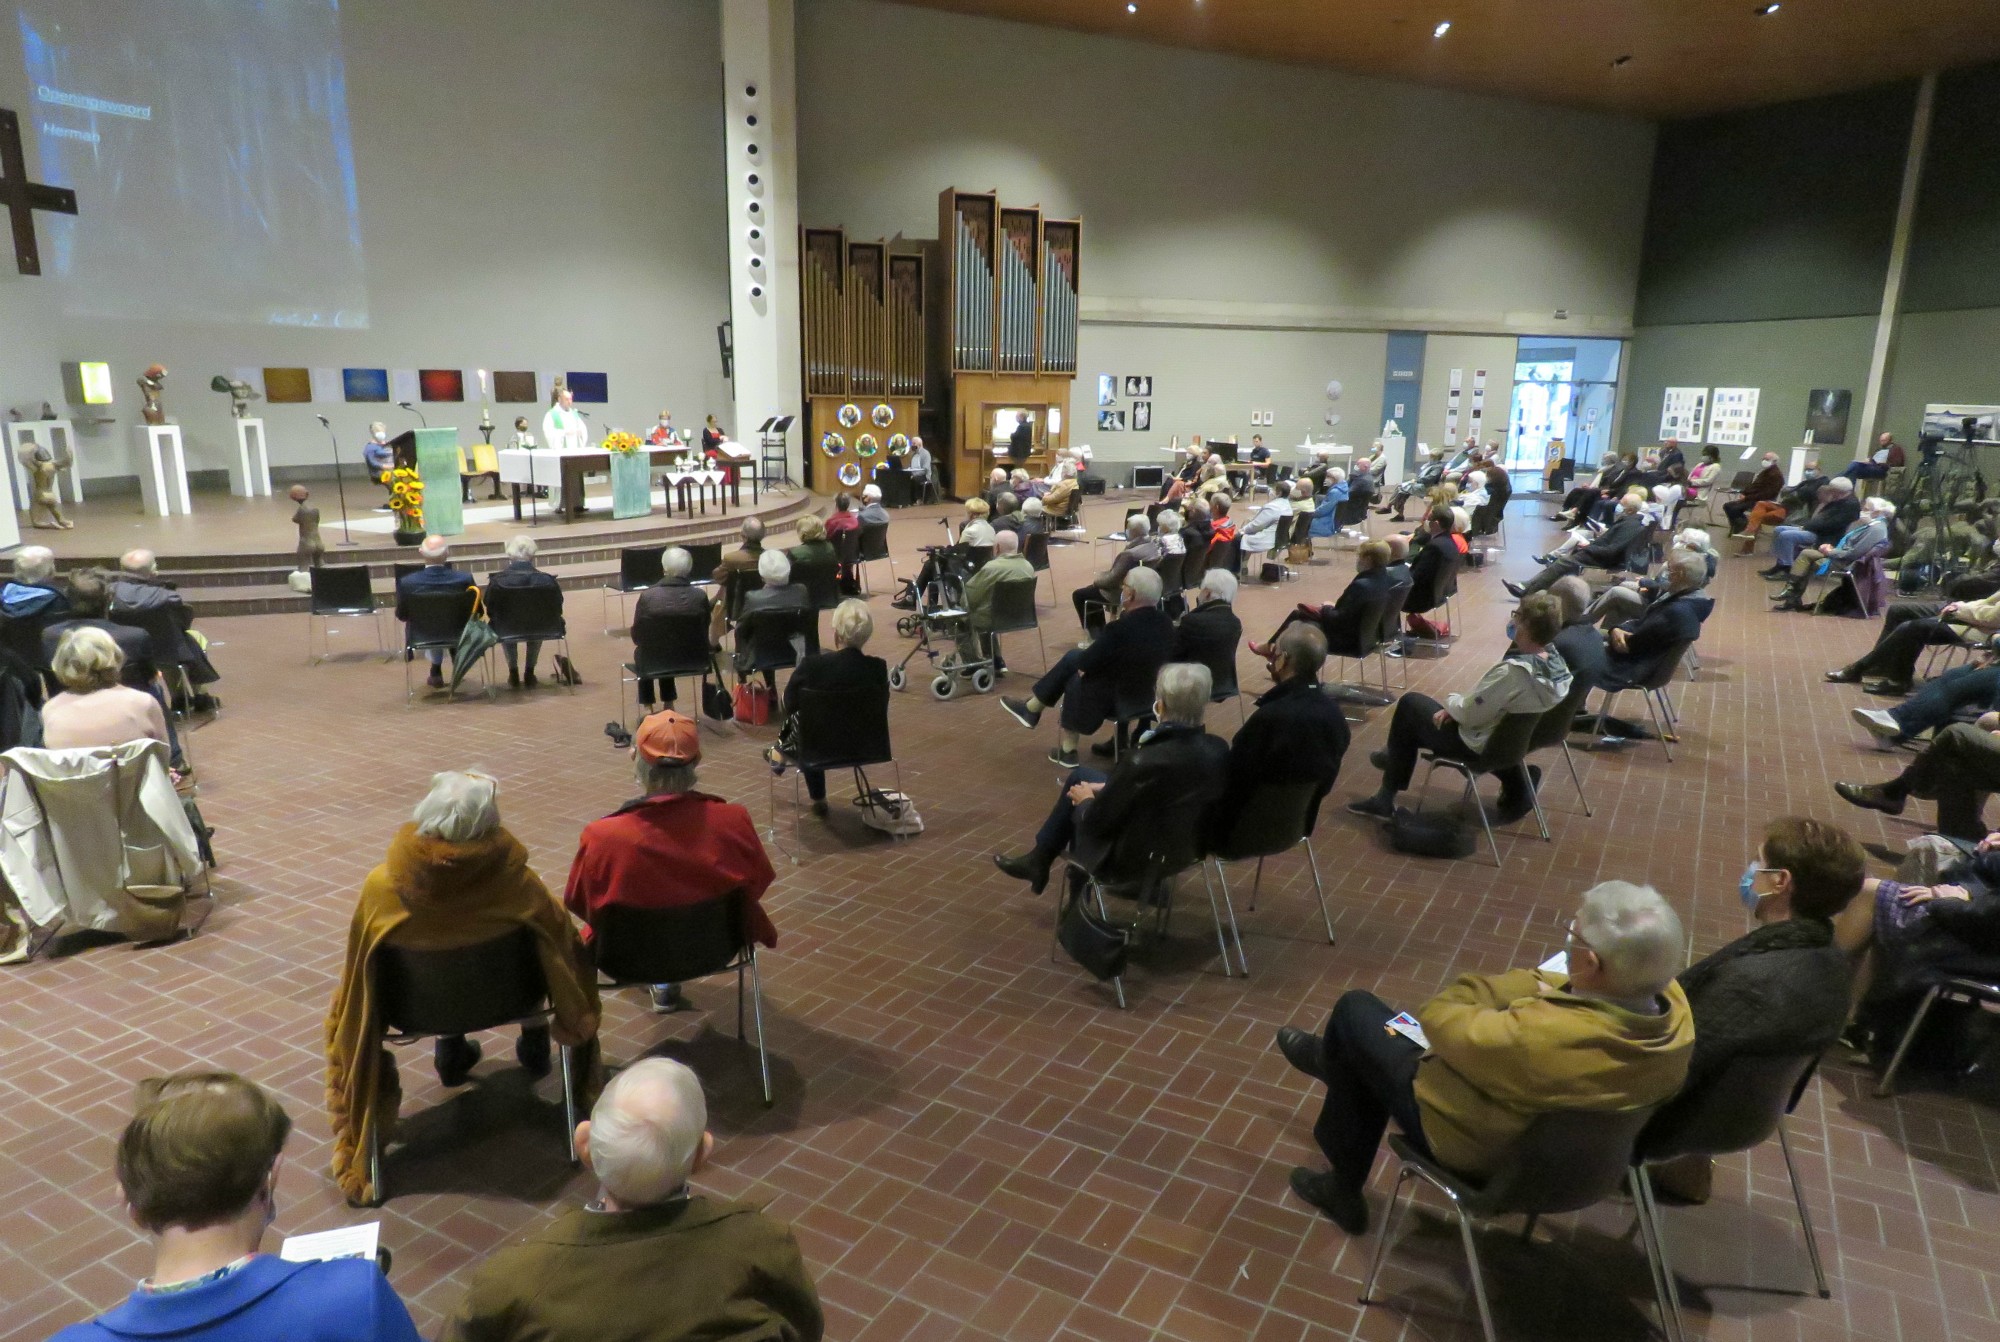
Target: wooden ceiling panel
<point x="1684" y="57"/>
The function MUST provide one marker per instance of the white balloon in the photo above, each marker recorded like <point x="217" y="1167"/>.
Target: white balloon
<point x="1333" y="390"/>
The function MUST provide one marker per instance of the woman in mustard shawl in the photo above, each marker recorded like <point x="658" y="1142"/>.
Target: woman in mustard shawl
<point x="453" y="877"/>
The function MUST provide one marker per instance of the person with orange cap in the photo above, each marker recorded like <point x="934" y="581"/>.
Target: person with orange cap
<point x="672" y="846"/>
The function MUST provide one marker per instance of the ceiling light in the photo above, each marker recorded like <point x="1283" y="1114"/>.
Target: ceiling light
<point x="1441" y="29"/>
<point x="1131" y="9"/>
<point x="1763" y="10"/>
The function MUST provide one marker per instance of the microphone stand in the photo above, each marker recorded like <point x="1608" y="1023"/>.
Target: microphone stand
<point x="339" y="480"/>
<point x="405" y="405"/>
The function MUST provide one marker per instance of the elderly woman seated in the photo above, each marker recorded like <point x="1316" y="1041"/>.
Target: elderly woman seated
<point x="779" y="595"/>
<point x="847" y="667"/>
<point x="1341" y="619"/>
<point x="453" y="878"/>
<point x="94" y="709"/>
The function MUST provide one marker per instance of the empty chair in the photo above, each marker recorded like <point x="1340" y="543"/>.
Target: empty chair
<point x="484" y="986"/>
<point x="1505" y="749"/>
<point x="1276" y="818"/>
<point x="1566" y="1160"/>
<point x="528" y="615"/>
<point x="337" y="591"/>
<point x="638" y="569"/>
<point x="705" y="558"/>
<point x="436" y="619"/>
<point x="872" y="543"/>
<point x="642" y="947"/>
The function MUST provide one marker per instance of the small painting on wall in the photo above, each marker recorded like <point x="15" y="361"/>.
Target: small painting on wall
<point x="441" y="384"/>
<point x="287" y="386"/>
<point x="1107" y="388"/>
<point x="1142" y="416"/>
<point x="514" y="388"/>
<point x="365" y="384"/>
<point x="1826" y="414"/>
<point x="590" y="388"/>
<point x="1111" y="421"/>
<point x="1136" y="385"/>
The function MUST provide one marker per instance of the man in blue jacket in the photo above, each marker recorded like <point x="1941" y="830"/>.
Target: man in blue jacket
<point x="199" y="1164"/>
<point x="437" y="575"/>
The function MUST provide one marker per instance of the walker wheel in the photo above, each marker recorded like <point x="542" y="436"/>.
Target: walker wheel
<point x="896" y="678"/>
<point x="943" y="686"/>
<point x="982" y="680"/>
<point x="907" y="625"/>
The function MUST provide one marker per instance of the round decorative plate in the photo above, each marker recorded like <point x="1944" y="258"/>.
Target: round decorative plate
<point x="883" y="414"/>
<point x="832" y="443"/>
<point x="850" y="415"/>
<point x="899" y="443"/>
<point x="866" y="446"/>
<point x="849" y="474"/>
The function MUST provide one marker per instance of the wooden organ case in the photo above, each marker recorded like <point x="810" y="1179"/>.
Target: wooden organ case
<point x="862" y="308"/>
<point x="1006" y="290"/>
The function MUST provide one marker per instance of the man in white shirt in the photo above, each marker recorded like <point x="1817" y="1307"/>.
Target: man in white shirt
<point x="562" y="427"/>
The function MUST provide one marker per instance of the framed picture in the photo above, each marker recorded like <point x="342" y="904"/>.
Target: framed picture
<point x="1111" y="421"/>
<point x="1107" y="389"/>
<point x="1138" y="386"/>
<point x="1142" y="416"/>
<point x="1826" y="414"/>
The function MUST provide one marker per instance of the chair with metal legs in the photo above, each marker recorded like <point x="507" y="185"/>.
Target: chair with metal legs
<point x="1954" y="989"/>
<point x="1505" y="749"/>
<point x="1276" y="817"/>
<point x="1552" y="733"/>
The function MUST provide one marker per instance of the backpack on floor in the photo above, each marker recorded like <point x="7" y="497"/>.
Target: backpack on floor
<point x="1429" y="835"/>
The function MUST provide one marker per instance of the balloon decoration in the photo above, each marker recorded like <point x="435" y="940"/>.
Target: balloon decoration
<point x="849" y="474"/>
<point x="866" y="446"/>
<point x="850" y="415"/>
<point x="832" y="443"/>
<point x="884" y="415"/>
<point x="899" y="443"/>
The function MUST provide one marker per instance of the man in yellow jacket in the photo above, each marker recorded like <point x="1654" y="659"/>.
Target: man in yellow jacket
<point x="1492" y="1051"/>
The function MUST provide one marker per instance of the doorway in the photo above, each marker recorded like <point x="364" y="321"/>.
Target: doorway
<point x="1565" y="390"/>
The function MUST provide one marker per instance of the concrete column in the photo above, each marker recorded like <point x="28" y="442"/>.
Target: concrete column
<point x="1899" y="263"/>
<point x="760" y="145"/>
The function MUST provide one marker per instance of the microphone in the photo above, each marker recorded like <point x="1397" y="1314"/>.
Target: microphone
<point x="583" y="414"/>
<point x="405" y="405"/>
<point x="324" y="420"/>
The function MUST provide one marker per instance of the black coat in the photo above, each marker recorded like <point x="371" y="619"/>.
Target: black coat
<point x="1612" y="543"/>
<point x="1830" y="521"/>
<point x="135" y="643"/>
<point x="1781" y="989"/>
<point x="1172" y="764"/>
<point x="1297" y="735"/>
<point x="1127" y="655"/>
<point x="1665" y="623"/>
<point x="663" y="601"/>
<point x="1432" y="567"/>
<point x="1362" y="599"/>
<point x="845" y="669"/>
<point x="1209" y="634"/>
<point x="1583" y="652"/>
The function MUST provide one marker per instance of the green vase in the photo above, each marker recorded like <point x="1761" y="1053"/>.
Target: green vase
<point x="631" y="484"/>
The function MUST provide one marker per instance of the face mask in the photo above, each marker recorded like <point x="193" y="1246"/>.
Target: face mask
<point x="1745" y="888"/>
<point x="1510" y="631"/>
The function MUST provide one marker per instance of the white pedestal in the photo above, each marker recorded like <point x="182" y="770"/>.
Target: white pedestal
<point x="1390" y="468"/>
<point x="1797" y="470"/>
<point x="59" y="436"/>
<point x="162" y="466"/>
<point x="250" y="470"/>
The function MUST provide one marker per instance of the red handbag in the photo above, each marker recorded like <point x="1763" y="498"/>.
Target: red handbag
<point x="753" y="703"/>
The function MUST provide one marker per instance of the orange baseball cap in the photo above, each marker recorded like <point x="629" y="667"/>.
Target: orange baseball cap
<point x="668" y="738"/>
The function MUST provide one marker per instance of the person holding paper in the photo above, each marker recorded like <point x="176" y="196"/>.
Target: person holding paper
<point x="1483" y="1058"/>
<point x="1888" y="456"/>
<point x="198" y="1165"/>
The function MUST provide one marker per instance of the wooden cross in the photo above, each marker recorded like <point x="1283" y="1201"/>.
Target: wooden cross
<point x="22" y="197"/>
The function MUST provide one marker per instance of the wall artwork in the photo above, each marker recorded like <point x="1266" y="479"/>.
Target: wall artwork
<point x="1451" y="405"/>
<point x="1478" y="403"/>
<point x="1826" y="414"/>
<point x="288" y="386"/>
<point x="1732" y="416"/>
<point x="365" y="384"/>
<point x="1948" y="421"/>
<point x="1107" y="388"/>
<point x="1142" y="416"/>
<point x="1138" y="386"/>
<point x="1111" y="421"/>
<point x="589" y="388"/>
<point x="1683" y="413"/>
<point x="441" y="384"/>
<point x="514" y="388"/>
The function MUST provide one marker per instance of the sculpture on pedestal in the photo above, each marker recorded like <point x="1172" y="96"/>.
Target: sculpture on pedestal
<point x="43" y="466"/>
<point x="152" y="383"/>
<point x="306" y="518"/>
<point x="240" y="393"/>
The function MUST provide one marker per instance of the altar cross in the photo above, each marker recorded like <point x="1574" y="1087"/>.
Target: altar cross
<point x="22" y="197"/>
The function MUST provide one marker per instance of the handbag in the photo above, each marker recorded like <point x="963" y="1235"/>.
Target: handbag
<point x="715" y="702"/>
<point x="753" y="703"/>
<point x="1422" y="835"/>
<point x="1272" y="571"/>
<point x="1097" y="945"/>
<point x="1299" y="552"/>
<point x="890" y="812"/>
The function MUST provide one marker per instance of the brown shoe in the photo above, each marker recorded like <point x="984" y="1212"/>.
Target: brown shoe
<point x="1871" y="796"/>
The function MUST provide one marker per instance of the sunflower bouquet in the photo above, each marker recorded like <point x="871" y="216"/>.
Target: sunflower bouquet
<point x="621" y="442"/>
<point x="406" y="497"/>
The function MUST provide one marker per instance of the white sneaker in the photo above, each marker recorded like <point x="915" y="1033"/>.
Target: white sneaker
<point x="1879" y="723"/>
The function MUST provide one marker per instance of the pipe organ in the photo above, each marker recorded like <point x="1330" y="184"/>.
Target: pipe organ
<point x="862" y="308"/>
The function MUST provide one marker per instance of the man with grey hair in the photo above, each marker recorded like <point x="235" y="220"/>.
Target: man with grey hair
<point x="1209" y="632"/>
<point x="744" y="559"/>
<point x="33" y="590"/>
<point x="649" y="1257"/>
<point x="872" y="513"/>
<point x="437" y="575"/>
<point x="1114" y="672"/>
<point x="674" y="597"/>
<point x="1297" y="735"/>
<point x="1101" y="593"/>
<point x="672" y="846"/>
<point x="138" y="587"/>
<point x="504" y="591"/>
<point x="1668" y="621"/>
<point x="1835" y="509"/>
<point x="1608" y="1033"/>
<point x="1175" y="758"/>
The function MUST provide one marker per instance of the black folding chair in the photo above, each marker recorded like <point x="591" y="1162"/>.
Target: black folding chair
<point x="1957" y="988"/>
<point x="1653" y="684"/>
<point x="1035" y="549"/>
<point x="1368" y="635"/>
<point x="666" y="649"/>
<point x="1737" y="1108"/>
<point x="1226" y="555"/>
<point x="821" y="581"/>
<point x="1566" y="1160"/>
<point x="163" y="631"/>
<point x="1012" y="612"/>
<point x="1552" y="733"/>
<point x="638" y="569"/>
<point x="340" y="590"/>
<point x="528" y="615"/>
<point x="741" y="583"/>
<point x="1505" y="749"/>
<point x="873" y="544"/>
<point x="484" y="986"/>
<point x="642" y="947"/>
<point x="1274" y="820"/>
<point x="706" y="558"/>
<point x="772" y="633"/>
<point x="841" y="729"/>
<point x="436" y="619"/>
<point x="399" y="571"/>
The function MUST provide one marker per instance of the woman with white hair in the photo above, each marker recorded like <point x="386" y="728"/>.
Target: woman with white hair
<point x="1167" y="526"/>
<point x="847" y="668"/>
<point x="777" y="596"/>
<point x="453" y="877"/>
<point x="94" y="708"/>
<point x="1868" y="537"/>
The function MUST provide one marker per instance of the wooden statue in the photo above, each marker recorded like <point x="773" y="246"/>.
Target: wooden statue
<point x="151" y="383"/>
<point x="43" y="466"/>
<point x="306" y="519"/>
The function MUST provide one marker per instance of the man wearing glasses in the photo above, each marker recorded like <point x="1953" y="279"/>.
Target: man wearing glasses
<point x="1489" y="1053"/>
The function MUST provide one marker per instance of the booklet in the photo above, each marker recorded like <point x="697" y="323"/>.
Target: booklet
<point x="1404" y="1024"/>
<point x="1555" y="964"/>
<point x="345" y="1242"/>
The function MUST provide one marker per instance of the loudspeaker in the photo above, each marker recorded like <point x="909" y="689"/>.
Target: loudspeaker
<point x="1091" y="485"/>
<point x="1148" y="477"/>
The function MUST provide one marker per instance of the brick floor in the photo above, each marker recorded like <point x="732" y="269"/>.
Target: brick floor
<point x="970" y="1141"/>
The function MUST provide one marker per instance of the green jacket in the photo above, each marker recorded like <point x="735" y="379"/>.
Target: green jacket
<point x="979" y="587"/>
<point x="1506" y="1047"/>
<point x="693" y="1269"/>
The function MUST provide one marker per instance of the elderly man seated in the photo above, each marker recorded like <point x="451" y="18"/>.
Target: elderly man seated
<point x="1608" y="549"/>
<point x="1297" y="735"/>
<point x="1834" y="511"/>
<point x="847" y="667"/>
<point x="1611" y="1034"/>
<point x="1101" y="592"/>
<point x="648" y="1257"/>
<point x="1125" y="655"/>
<point x="437" y="575"/>
<point x="1340" y="620"/>
<point x="1210" y="632"/>
<point x="1093" y="807"/>
<point x="198" y="1168"/>
<point x="918" y="463"/>
<point x="1007" y="565"/>
<point x="873" y="514"/>
<point x="672" y="846"/>
<point x="1867" y="534"/>
<point x="1007" y="514"/>
<point x="778" y="596"/>
<point x="1958" y="770"/>
<point x="1669" y="619"/>
<point x="673" y="596"/>
<point x="453" y="877"/>
<point x="138" y="586"/>
<point x="519" y="576"/>
<point x="1531" y="678"/>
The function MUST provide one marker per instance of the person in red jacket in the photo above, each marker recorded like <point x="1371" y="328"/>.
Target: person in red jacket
<point x="673" y="846"/>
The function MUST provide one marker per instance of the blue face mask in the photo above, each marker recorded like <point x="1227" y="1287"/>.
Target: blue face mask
<point x="1745" y="887"/>
<point x="1510" y="631"/>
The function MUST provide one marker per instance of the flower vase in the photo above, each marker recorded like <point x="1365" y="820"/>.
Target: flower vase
<point x="405" y="537"/>
<point x="631" y="484"/>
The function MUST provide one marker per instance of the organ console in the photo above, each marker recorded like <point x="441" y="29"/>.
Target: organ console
<point x="861" y="307"/>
